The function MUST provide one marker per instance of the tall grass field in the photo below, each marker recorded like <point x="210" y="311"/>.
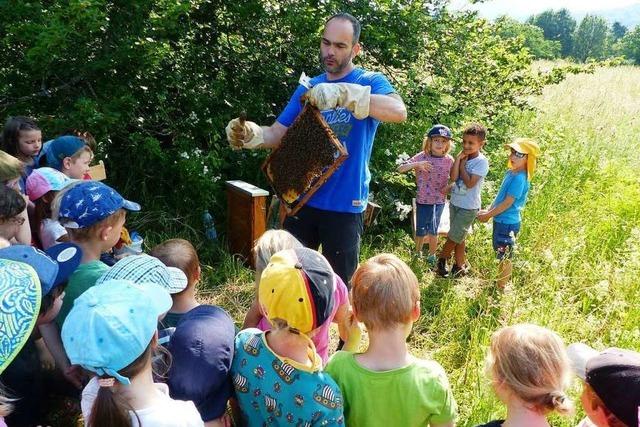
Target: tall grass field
<point x="577" y="266"/>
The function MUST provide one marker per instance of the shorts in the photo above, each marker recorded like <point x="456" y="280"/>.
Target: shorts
<point x="461" y="220"/>
<point x="428" y="219"/>
<point x="504" y="239"/>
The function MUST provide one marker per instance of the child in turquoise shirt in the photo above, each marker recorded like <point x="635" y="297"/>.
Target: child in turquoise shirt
<point x="507" y="207"/>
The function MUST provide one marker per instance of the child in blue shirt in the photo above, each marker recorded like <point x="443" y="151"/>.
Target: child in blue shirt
<point x="277" y="375"/>
<point x="507" y="207"/>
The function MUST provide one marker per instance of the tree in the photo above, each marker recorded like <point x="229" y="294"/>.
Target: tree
<point x="532" y="37"/>
<point x="630" y="45"/>
<point x="618" y="31"/>
<point x="591" y="39"/>
<point x="558" y="26"/>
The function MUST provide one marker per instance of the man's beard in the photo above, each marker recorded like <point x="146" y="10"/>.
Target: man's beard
<point x="337" y="67"/>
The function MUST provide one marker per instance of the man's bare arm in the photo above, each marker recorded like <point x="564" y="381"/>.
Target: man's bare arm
<point x="387" y="108"/>
<point x="273" y="135"/>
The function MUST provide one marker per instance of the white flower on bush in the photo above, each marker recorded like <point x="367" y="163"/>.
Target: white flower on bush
<point x="205" y="170"/>
<point x="403" y="157"/>
<point x="184" y="155"/>
<point x="402" y="209"/>
<point x="387" y="152"/>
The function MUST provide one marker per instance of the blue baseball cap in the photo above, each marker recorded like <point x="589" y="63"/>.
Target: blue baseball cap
<point x="146" y="269"/>
<point x="440" y="130"/>
<point x="68" y="256"/>
<point x="112" y="324"/>
<point x="53" y="267"/>
<point x="202" y="351"/>
<point x="88" y="202"/>
<point x="20" y="298"/>
<point x="61" y="147"/>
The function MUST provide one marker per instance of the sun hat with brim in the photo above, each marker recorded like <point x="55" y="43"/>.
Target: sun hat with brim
<point x="297" y="286"/>
<point x="614" y="375"/>
<point x="53" y="267"/>
<point x="43" y="180"/>
<point x="146" y="269"/>
<point x="112" y="324"/>
<point x="201" y="350"/>
<point x="62" y="147"/>
<point x="528" y="147"/>
<point x="89" y="202"/>
<point x="46" y="268"/>
<point x="20" y="298"/>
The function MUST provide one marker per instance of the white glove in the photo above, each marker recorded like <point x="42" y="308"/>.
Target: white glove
<point x="353" y="97"/>
<point x="244" y="135"/>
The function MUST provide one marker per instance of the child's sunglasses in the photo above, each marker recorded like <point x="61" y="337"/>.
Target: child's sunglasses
<point x="517" y="154"/>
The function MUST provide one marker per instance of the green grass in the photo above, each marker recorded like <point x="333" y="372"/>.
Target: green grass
<point x="578" y="262"/>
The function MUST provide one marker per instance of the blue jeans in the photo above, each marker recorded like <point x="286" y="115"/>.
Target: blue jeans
<point x="504" y="238"/>
<point x="428" y="219"/>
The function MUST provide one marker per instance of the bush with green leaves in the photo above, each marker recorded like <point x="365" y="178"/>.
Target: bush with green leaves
<point x="156" y="81"/>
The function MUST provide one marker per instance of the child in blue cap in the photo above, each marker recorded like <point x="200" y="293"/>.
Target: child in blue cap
<point x="25" y="377"/>
<point x="111" y="331"/>
<point x="93" y="215"/>
<point x="432" y="167"/>
<point x="69" y="154"/>
<point x="19" y="282"/>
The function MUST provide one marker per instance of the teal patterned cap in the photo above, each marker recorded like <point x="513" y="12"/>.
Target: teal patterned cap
<point x="20" y="296"/>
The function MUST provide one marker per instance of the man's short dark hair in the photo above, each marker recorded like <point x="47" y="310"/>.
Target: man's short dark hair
<point x="354" y="23"/>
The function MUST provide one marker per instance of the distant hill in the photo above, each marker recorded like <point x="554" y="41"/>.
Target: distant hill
<point x="628" y="16"/>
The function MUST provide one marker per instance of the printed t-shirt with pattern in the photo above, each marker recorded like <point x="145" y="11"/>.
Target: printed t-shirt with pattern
<point x="415" y="395"/>
<point x="272" y="390"/>
<point x="430" y="184"/>
<point x="347" y="190"/>
<point x="321" y="337"/>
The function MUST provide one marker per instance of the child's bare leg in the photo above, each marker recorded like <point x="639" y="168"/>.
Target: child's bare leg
<point x="447" y="249"/>
<point x="460" y="254"/>
<point x="504" y="272"/>
<point x="419" y="243"/>
<point x="432" y="241"/>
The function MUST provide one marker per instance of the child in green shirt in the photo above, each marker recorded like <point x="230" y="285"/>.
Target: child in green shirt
<point x="386" y="385"/>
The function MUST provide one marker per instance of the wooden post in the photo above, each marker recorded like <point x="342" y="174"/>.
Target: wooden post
<point x="246" y="217"/>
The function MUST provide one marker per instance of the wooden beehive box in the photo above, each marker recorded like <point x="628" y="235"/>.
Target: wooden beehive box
<point x="307" y="156"/>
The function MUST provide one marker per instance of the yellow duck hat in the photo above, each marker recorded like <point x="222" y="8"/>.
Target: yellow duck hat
<point x="530" y="148"/>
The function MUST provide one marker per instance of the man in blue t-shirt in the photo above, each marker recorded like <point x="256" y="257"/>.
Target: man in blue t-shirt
<point x="353" y="102"/>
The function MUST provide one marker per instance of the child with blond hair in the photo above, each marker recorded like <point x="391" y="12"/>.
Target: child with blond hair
<point x="386" y="385"/>
<point x="273" y="241"/>
<point x="506" y="209"/>
<point x="432" y="167"/>
<point x="277" y="374"/>
<point x="530" y="373"/>
<point x="93" y="215"/>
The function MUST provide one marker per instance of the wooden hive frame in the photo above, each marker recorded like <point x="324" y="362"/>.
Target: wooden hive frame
<point x="316" y="182"/>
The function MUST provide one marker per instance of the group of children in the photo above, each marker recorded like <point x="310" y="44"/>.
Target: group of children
<point x="144" y="352"/>
<point x="438" y="174"/>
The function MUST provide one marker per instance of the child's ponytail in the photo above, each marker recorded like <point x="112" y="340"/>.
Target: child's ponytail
<point x="110" y="409"/>
<point x="558" y="401"/>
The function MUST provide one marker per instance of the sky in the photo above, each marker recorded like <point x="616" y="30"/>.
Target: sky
<point x="524" y="8"/>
